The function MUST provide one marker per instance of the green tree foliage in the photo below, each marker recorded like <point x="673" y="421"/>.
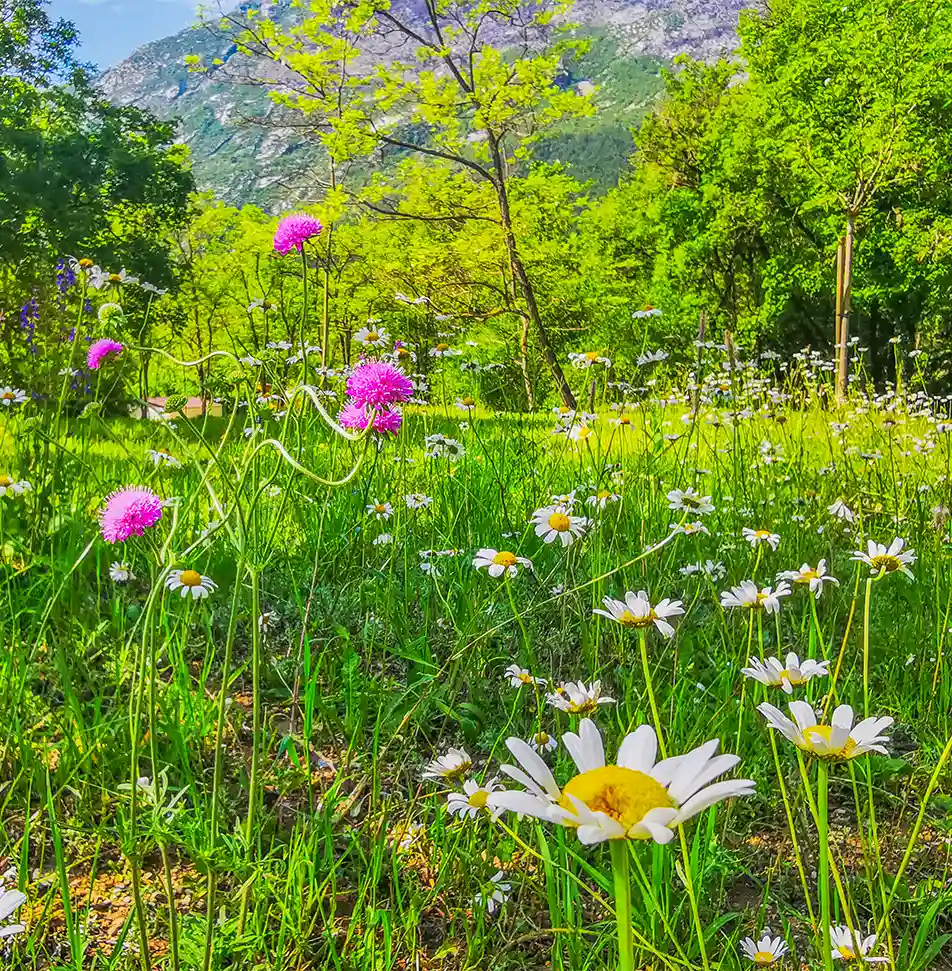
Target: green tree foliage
<point x="78" y="174"/>
<point x="833" y="117"/>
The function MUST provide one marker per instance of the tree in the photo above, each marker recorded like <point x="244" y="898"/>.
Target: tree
<point x="78" y="174"/>
<point x="457" y="98"/>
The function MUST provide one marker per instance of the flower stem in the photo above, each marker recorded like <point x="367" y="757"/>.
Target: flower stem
<point x="869" y="587"/>
<point x="823" y="869"/>
<point x="626" y="950"/>
<point x="643" y="648"/>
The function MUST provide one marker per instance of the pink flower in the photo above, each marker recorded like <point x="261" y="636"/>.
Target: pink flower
<point x="129" y="512"/>
<point x="294" y="231"/>
<point x="378" y="384"/>
<point x="387" y="421"/>
<point x="101" y="349"/>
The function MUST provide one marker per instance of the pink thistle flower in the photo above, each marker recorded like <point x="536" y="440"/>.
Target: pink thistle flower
<point x="294" y="231"/>
<point x="378" y="384"/>
<point x="386" y="422"/>
<point x="100" y="350"/>
<point x="129" y="512"/>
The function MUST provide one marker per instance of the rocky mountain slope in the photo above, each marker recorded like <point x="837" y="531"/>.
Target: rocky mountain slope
<point x="245" y="151"/>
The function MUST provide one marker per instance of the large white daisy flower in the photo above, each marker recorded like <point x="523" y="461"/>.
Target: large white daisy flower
<point x="12" y="396"/>
<point x="749" y="597"/>
<point x="556" y="523"/>
<point x="191" y="583"/>
<point x="450" y="767"/>
<point x="9" y="901"/>
<point x="372" y="337"/>
<point x="883" y="559"/>
<point x="636" y="798"/>
<point x="815" y="577"/>
<point x="839" y="741"/>
<point x="689" y="500"/>
<point x="8" y="485"/>
<point x="577" y="698"/>
<point x="473" y="800"/>
<point x="847" y="945"/>
<point x="766" y="951"/>
<point x="636" y="611"/>
<point x="786" y="675"/>
<point x="498" y="563"/>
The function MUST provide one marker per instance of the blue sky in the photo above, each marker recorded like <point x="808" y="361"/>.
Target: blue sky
<point x="112" y="29"/>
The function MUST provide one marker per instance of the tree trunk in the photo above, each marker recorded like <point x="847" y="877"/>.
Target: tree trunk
<point x="841" y="378"/>
<point x="524" y="363"/>
<point x="522" y="278"/>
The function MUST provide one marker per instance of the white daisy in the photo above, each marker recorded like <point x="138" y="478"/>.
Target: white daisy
<point x="766" y="951"/>
<point x="582" y="433"/>
<point x="384" y="539"/>
<point x="651" y="357"/>
<point x="691" y="529"/>
<point x="499" y="563"/>
<point x="372" y="337"/>
<point x="418" y="500"/>
<point x="9" y="901"/>
<point x="495" y="894"/>
<point x="450" y="767"/>
<point x="636" y="611"/>
<point x="7" y="485"/>
<point x="472" y="800"/>
<point x="748" y="596"/>
<point x="12" y="396"/>
<point x="518" y="676"/>
<point x="542" y="742"/>
<point x="847" y="945"/>
<point x="555" y="523"/>
<point x="814" y="577"/>
<point x="882" y="559"/>
<point x="757" y="536"/>
<point x="840" y="510"/>
<point x="162" y="456"/>
<point x="443" y="350"/>
<point x="380" y="510"/>
<point x="120" y="572"/>
<point x="191" y="583"/>
<point x="577" y="698"/>
<point x="787" y="675"/>
<point x="646" y="311"/>
<point x="466" y="403"/>
<point x="839" y="741"/>
<point x="587" y="359"/>
<point x="636" y="798"/>
<point x="689" y="500"/>
<point x="602" y="498"/>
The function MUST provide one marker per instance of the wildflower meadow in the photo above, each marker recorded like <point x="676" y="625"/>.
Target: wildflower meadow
<point x="463" y="572"/>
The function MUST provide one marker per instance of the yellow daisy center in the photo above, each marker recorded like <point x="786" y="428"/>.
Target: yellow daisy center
<point x="115" y="278"/>
<point x="762" y="533"/>
<point x="823" y="732"/>
<point x="542" y="738"/>
<point x="525" y="678"/>
<point x="847" y="953"/>
<point x="478" y="799"/>
<point x="792" y="678"/>
<point x="559" y="522"/>
<point x="604" y="494"/>
<point x="624" y="794"/>
<point x="457" y="771"/>
<point x="402" y="352"/>
<point x="505" y="558"/>
<point x="628" y="619"/>
<point x="85" y="263"/>
<point x="564" y="409"/>
<point x="469" y="402"/>
<point x="624" y="420"/>
<point x="372" y="335"/>
<point x="380" y="507"/>
<point x="9" y="395"/>
<point x="442" y="347"/>
<point x="689" y="502"/>
<point x="5" y="481"/>
<point x="190" y="578"/>
<point x="584" y="432"/>
<point x="764" y="957"/>
<point x="886" y="562"/>
<point x="648" y="307"/>
<point x="592" y="356"/>
<point x="807" y="575"/>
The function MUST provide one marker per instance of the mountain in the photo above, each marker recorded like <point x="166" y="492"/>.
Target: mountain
<point x="247" y="150"/>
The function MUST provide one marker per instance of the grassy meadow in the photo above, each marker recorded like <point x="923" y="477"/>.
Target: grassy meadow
<point x="244" y="779"/>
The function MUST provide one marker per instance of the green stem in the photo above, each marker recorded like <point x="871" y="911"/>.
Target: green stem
<point x="869" y="587"/>
<point x="626" y="949"/>
<point x="823" y="875"/>
<point x="643" y="648"/>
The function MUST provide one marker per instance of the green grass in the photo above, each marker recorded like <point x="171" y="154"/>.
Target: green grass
<point x="369" y="668"/>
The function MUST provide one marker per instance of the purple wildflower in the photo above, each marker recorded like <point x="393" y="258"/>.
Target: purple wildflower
<point x="378" y="384"/>
<point x="100" y="350"/>
<point x="294" y="231"/>
<point x="129" y="512"/>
